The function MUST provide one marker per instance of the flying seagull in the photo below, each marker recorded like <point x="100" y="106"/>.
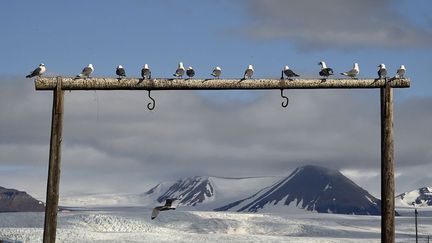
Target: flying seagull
<point x="382" y="71"/>
<point x="180" y="71"/>
<point x="190" y="72"/>
<point x="121" y="73"/>
<point x="248" y="72"/>
<point x="145" y="72"/>
<point x="401" y="72"/>
<point x="353" y="72"/>
<point x="86" y="72"/>
<point x="167" y="206"/>
<point x="38" y="71"/>
<point x="216" y="72"/>
<point x="325" y="71"/>
<point x="288" y="73"/>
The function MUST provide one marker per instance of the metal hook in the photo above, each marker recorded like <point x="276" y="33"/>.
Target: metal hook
<point x="284" y="97"/>
<point x="151" y="105"/>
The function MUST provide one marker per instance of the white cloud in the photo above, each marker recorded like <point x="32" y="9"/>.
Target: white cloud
<point x="310" y="24"/>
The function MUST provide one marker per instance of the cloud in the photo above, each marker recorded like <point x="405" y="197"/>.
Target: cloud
<point x="112" y="143"/>
<point x="334" y="24"/>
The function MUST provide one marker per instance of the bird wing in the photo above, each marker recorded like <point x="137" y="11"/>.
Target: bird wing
<point x="120" y="72"/>
<point x="382" y="72"/>
<point x="86" y="71"/>
<point x="36" y="71"/>
<point x="168" y="202"/>
<point x="190" y="72"/>
<point x="290" y="73"/>
<point x="179" y="72"/>
<point x="155" y="213"/>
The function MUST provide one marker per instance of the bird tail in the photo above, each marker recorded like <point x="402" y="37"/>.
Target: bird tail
<point x="345" y="74"/>
<point x="29" y="76"/>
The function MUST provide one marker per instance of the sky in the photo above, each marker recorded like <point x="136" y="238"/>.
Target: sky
<point x="113" y="144"/>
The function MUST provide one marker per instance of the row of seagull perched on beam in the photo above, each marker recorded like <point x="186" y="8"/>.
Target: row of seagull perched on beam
<point x="324" y="72"/>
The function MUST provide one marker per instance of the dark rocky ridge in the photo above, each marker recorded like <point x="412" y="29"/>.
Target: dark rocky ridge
<point x="12" y="200"/>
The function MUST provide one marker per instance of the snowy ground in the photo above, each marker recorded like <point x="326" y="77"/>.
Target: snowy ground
<point x="133" y="224"/>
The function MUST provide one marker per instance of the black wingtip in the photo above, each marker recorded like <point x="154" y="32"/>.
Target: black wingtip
<point x="28" y="76"/>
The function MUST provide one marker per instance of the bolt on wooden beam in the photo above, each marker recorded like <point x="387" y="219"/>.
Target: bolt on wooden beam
<point x="69" y="83"/>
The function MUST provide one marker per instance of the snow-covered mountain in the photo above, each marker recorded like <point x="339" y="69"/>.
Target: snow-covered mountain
<point x="207" y="192"/>
<point x="190" y="191"/>
<point x="12" y="200"/>
<point x="311" y="188"/>
<point x="197" y="193"/>
<point x="421" y="197"/>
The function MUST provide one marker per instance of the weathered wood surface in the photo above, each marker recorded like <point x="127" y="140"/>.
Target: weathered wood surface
<point x="387" y="167"/>
<point x="52" y="194"/>
<point x="49" y="83"/>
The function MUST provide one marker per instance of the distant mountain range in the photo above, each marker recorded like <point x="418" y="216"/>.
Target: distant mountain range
<point x="310" y="188"/>
<point x="421" y="197"/>
<point x="12" y="200"/>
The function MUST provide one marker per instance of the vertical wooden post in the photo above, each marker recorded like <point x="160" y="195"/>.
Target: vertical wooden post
<point x="415" y="215"/>
<point x="52" y="195"/>
<point x="387" y="166"/>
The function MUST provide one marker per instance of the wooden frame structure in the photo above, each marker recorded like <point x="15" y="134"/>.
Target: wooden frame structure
<point x="59" y="84"/>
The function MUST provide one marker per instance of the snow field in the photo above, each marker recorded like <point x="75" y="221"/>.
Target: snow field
<point x="134" y="225"/>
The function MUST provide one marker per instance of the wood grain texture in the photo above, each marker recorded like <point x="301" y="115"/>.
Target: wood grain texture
<point x="52" y="194"/>
<point x="49" y="83"/>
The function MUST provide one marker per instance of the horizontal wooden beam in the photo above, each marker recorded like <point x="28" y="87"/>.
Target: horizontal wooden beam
<point x="49" y="83"/>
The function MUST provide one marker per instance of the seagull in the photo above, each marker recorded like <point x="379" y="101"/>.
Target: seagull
<point x="353" y="72"/>
<point x="401" y="72"/>
<point x="190" y="72"/>
<point x="288" y="73"/>
<point x="167" y="206"/>
<point x="38" y="71"/>
<point x="86" y="72"/>
<point x="382" y="71"/>
<point x="180" y="71"/>
<point x="145" y="72"/>
<point x="216" y="72"/>
<point x="325" y="71"/>
<point x="248" y="72"/>
<point x="120" y="72"/>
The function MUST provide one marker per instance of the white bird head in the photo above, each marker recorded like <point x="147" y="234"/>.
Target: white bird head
<point x="146" y="66"/>
<point x="218" y="68"/>
<point x="250" y="67"/>
<point x="41" y="65"/>
<point x="356" y="66"/>
<point x="180" y="65"/>
<point x="190" y="68"/>
<point x="286" y="68"/>
<point x="90" y="66"/>
<point x="119" y="66"/>
<point x="402" y="67"/>
<point x="322" y="64"/>
<point x="382" y="66"/>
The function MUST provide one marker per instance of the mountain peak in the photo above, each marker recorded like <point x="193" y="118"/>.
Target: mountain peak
<point x="420" y="198"/>
<point x="313" y="188"/>
<point x="189" y="191"/>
